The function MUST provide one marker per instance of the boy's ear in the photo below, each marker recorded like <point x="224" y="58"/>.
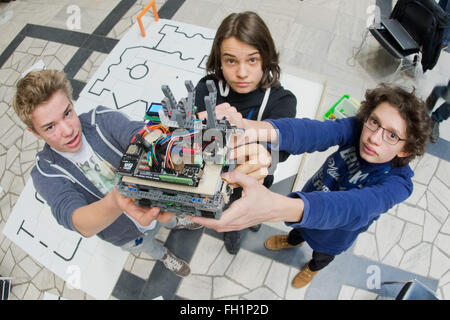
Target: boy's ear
<point x="403" y="154"/>
<point x="34" y="133"/>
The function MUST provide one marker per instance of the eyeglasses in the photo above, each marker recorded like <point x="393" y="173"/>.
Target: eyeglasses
<point x="388" y="136"/>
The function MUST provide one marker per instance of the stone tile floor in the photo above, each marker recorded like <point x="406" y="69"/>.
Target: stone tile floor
<point x="316" y="35"/>
<point x="218" y="275"/>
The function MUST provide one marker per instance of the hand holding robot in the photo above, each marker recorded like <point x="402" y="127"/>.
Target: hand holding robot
<point x="176" y="164"/>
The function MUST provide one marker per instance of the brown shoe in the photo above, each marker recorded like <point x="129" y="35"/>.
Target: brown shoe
<point x="304" y="277"/>
<point x="175" y="264"/>
<point x="278" y="242"/>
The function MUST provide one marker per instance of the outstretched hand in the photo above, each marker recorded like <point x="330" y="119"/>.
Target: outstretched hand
<point x="225" y="110"/>
<point x="253" y="160"/>
<point x="257" y="204"/>
<point x="143" y="215"/>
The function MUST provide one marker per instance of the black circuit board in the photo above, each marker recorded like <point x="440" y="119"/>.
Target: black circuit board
<point x="135" y="164"/>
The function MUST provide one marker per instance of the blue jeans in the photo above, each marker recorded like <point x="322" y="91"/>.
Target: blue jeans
<point x="445" y="5"/>
<point x="148" y="244"/>
<point x="443" y="112"/>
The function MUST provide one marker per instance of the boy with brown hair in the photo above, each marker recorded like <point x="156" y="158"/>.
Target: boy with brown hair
<point x="365" y="177"/>
<point x="244" y="65"/>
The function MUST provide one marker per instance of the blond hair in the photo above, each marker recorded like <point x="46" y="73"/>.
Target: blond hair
<point x="36" y="88"/>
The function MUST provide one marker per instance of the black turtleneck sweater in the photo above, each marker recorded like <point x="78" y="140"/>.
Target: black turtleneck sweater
<point x="281" y="104"/>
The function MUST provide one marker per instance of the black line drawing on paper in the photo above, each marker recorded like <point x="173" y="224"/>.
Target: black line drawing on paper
<point x="21" y="228"/>
<point x="137" y="68"/>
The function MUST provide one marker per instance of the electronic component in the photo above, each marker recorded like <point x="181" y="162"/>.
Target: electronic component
<point x="152" y="112"/>
<point x="176" y="164"/>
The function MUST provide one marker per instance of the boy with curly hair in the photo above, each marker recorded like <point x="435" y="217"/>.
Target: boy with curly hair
<point x="365" y="177"/>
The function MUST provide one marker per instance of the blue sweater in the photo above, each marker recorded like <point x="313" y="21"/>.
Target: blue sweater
<point x="347" y="193"/>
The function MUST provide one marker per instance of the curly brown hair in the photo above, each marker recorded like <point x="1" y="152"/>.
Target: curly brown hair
<point x="412" y="109"/>
<point x="247" y="27"/>
<point x="36" y="88"/>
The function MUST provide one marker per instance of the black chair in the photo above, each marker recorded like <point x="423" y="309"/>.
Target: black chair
<point x="413" y="290"/>
<point x="388" y="40"/>
<point x="411" y="33"/>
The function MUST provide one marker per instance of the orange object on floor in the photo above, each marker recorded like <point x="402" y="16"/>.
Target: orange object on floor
<point x="155" y="13"/>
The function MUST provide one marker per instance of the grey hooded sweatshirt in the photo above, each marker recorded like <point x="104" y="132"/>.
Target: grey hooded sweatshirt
<point x="65" y="188"/>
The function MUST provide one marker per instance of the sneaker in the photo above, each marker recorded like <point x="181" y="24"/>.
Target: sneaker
<point x="184" y="222"/>
<point x="175" y="264"/>
<point x="435" y="133"/>
<point x="255" y="228"/>
<point x="304" y="277"/>
<point x="278" y="242"/>
<point x="232" y="241"/>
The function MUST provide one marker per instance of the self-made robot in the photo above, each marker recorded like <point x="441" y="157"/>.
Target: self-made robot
<point x="176" y="161"/>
